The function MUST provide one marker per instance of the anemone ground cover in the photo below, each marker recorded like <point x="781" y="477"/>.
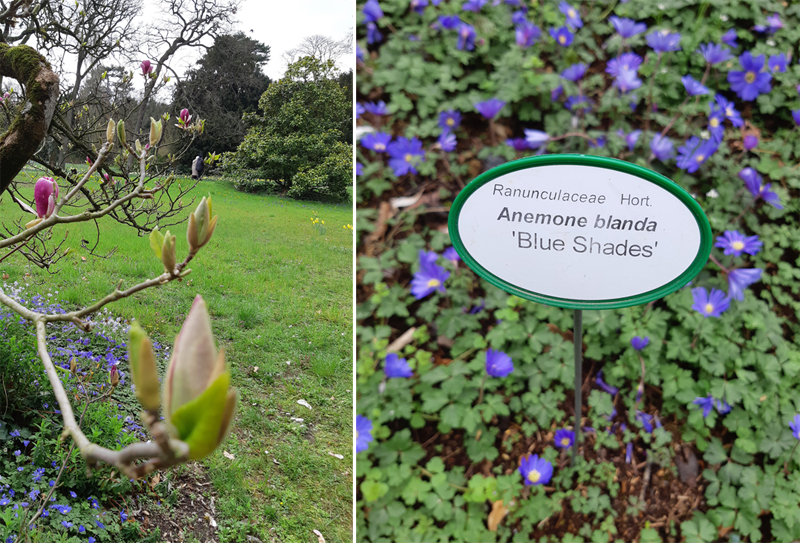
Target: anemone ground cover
<point x="688" y="400"/>
<point x="279" y="294"/>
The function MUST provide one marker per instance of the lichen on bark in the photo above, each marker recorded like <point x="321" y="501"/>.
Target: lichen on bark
<point x="29" y="127"/>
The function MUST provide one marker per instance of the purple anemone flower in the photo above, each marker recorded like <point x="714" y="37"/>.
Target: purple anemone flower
<point x="449" y="22"/>
<point x="663" y="41"/>
<point x="430" y="277"/>
<point x="450" y="119"/>
<point x="627" y="28"/>
<point x="754" y="183"/>
<point x="796" y="116"/>
<point x="578" y="104"/>
<point x="752" y="80"/>
<point x="750" y="142"/>
<point x="705" y="403"/>
<point x="490" y="108"/>
<point x="518" y="17"/>
<point x="712" y="304"/>
<point x="777" y="63"/>
<point x="562" y="35"/>
<point x="646" y="420"/>
<point x="661" y="147"/>
<point x="527" y="34"/>
<point x="795" y="427"/>
<point x="573" y="17"/>
<point x="556" y="93"/>
<point x="693" y="86"/>
<point x="394" y="366"/>
<point x="627" y="80"/>
<point x="632" y="138"/>
<point x="608" y="388"/>
<point x="376" y="108"/>
<point x="447" y="141"/>
<point x="729" y="38"/>
<point x="729" y="110"/>
<point x="498" y="363"/>
<point x="376" y="141"/>
<point x="575" y="72"/>
<point x="419" y="6"/>
<point x="734" y="243"/>
<point x="739" y="279"/>
<point x="452" y="255"/>
<point x="714" y="53"/>
<point x="626" y="61"/>
<point x="536" y="138"/>
<point x="372" y="11"/>
<point x="405" y="153"/>
<point x="629" y="453"/>
<point x="473" y="5"/>
<point x="466" y="37"/>
<point x="363" y="433"/>
<point x="695" y="152"/>
<point x="640" y="343"/>
<point x="535" y="470"/>
<point x="518" y="144"/>
<point x="722" y="407"/>
<point x="715" y="119"/>
<point x="373" y="34"/>
<point x="564" y="438"/>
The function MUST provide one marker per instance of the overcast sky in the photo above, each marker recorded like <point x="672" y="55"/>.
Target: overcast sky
<point x="282" y="26"/>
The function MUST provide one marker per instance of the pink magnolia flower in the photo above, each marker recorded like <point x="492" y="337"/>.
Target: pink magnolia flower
<point x="45" y="194"/>
<point x="185" y="117"/>
<point x="147" y="69"/>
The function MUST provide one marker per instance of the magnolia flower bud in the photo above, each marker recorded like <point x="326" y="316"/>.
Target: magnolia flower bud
<point x="185" y="117"/>
<point x="198" y="400"/>
<point x="110" y="131"/>
<point x="155" y="132"/>
<point x="138" y="145"/>
<point x="164" y="248"/>
<point x="201" y="225"/>
<point x="121" y="132"/>
<point x="143" y="368"/>
<point x="147" y="69"/>
<point x="45" y="194"/>
<point x="73" y="366"/>
<point x="113" y="376"/>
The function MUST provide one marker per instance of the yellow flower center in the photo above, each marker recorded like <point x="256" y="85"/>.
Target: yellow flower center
<point x="750" y="77"/>
<point x="534" y="476"/>
<point x="562" y="39"/>
<point x="408" y="157"/>
<point x="738" y="245"/>
<point x="760" y="188"/>
<point x="571" y="13"/>
<point x="709" y="308"/>
<point x="380" y="147"/>
<point x="700" y="158"/>
<point x="450" y="122"/>
<point x="434" y="283"/>
<point x="714" y="122"/>
<point x="565" y="441"/>
<point x="729" y="111"/>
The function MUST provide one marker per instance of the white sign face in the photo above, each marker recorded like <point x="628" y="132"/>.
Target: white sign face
<point x="579" y="232"/>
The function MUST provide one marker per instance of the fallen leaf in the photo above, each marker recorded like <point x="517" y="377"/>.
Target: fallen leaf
<point x="304" y="403"/>
<point x="339" y="456"/>
<point x="255" y="369"/>
<point x="497" y="515"/>
<point x="228" y="455"/>
<point x="295" y="419"/>
<point x="83" y="259"/>
<point x="5" y="276"/>
<point x="211" y="520"/>
<point x="320" y="539"/>
<point x="154" y="480"/>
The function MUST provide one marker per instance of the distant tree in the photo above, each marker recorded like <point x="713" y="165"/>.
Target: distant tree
<point x="323" y="48"/>
<point x="221" y="92"/>
<point x="304" y="119"/>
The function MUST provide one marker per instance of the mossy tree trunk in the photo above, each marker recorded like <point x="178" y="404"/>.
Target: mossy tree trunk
<point x="29" y="127"/>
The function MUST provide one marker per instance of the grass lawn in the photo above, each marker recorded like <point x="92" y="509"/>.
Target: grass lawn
<point x="280" y="296"/>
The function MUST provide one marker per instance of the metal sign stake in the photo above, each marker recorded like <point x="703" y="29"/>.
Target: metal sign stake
<point x="577" y="342"/>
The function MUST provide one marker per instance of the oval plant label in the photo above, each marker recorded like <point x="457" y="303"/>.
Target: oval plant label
<point x="580" y="232"/>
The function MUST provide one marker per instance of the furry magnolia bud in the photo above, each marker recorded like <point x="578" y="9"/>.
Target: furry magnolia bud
<point x="143" y="368"/>
<point x="110" y="131"/>
<point x="155" y="132"/>
<point x="121" y="132"/>
<point x="164" y="248"/>
<point x="201" y="225"/>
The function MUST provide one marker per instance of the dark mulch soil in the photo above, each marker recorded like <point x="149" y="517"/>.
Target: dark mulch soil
<point x="190" y="515"/>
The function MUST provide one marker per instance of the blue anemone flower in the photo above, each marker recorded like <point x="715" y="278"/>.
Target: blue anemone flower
<point x="752" y="80"/>
<point x="535" y="470"/>
<point x="627" y="28"/>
